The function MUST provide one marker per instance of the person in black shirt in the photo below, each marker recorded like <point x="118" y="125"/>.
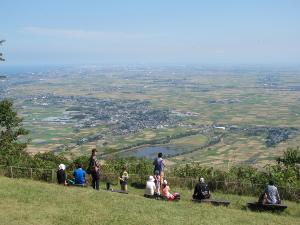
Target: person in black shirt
<point x="61" y="174"/>
<point x="94" y="169"/>
<point x="201" y="190"/>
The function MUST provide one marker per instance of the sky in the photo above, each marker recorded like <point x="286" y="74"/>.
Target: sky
<point x="154" y="31"/>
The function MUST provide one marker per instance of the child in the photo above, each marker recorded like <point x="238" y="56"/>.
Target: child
<point x="124" y="179"/>
<point x="166" y="192"/>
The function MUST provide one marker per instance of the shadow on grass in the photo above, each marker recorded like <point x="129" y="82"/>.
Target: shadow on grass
<point x="138" y="185"/>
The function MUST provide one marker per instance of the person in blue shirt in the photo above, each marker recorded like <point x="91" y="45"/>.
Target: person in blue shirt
<point x="159" y="165"/>
<point x="79" y="174"/>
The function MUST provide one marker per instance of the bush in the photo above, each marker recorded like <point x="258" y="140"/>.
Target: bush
<point x="48" y="160"/>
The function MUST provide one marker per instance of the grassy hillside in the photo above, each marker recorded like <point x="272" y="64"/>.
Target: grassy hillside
<point x="30" y="202"/>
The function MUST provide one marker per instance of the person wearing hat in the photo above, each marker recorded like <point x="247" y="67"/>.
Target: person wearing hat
<point x="150" y="187"/>
<point x="201" y="190"/>
<point x="61" y="174"/>
<point x="94" y="169"/>
<point x="166" y="192"/>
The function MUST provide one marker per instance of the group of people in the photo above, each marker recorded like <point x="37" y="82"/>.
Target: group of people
<point x="201" y="190"/>
<point x="157" y="182"/>
<point x="156" y="185"/>
<point x="269" y="196"/>
<point x="153" y="189"/>
<point x="79" y="174"/>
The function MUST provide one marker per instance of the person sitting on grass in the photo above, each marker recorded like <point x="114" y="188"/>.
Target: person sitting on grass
<point x="124" y="179"/>
<point x="166" y="192"/>
<point x="79" y="175"/>
<point x="201" y="190"/>
<point x="61" y="174"/>
<point x="150" y="187"/>
<point x="270" y="195"/>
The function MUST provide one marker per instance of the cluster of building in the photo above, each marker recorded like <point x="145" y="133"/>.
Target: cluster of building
<point x="224" y="101"/>
<point x="123" y="116"/>
<point x="274" y="135"/>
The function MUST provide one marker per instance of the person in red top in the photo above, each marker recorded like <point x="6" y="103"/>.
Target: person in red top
<point x="166" y="192"/>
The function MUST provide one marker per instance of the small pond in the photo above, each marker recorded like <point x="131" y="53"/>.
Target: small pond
<point x="152" y="151"/>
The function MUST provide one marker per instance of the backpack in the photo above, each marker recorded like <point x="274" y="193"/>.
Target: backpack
<point x="205" y="191"/>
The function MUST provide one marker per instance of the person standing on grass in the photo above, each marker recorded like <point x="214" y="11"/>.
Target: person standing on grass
<point x="124" y="179"/>
<point x="94" y="170"/>
<point x="159" y="165"/>
<point x="61" y="174"/>
<point x="157" y="182"/>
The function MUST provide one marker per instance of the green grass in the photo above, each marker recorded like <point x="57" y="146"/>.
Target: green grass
<point x="30" y="202"/>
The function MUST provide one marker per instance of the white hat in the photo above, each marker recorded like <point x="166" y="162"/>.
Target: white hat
<point x="151" y="178"/>
<point x="202" y="180"/>
<point x="62" y="167"/>
<point x="165" y="182"/>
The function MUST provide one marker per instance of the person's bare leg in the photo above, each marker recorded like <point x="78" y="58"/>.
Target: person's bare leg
<point x="265" y="200"/>
<point x="161" y="179"/>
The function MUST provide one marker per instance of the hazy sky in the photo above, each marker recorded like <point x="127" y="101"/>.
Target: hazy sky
<point x="150" y="31"/>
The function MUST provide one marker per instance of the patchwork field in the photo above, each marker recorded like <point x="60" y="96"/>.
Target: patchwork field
<point x="71" y="110"/>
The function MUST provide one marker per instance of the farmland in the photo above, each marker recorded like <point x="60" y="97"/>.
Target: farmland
<point x="212" y="115"/>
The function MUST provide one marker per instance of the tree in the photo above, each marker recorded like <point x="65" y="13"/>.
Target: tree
<point x="1" y="58"/>
<point x="12" y="148"/>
